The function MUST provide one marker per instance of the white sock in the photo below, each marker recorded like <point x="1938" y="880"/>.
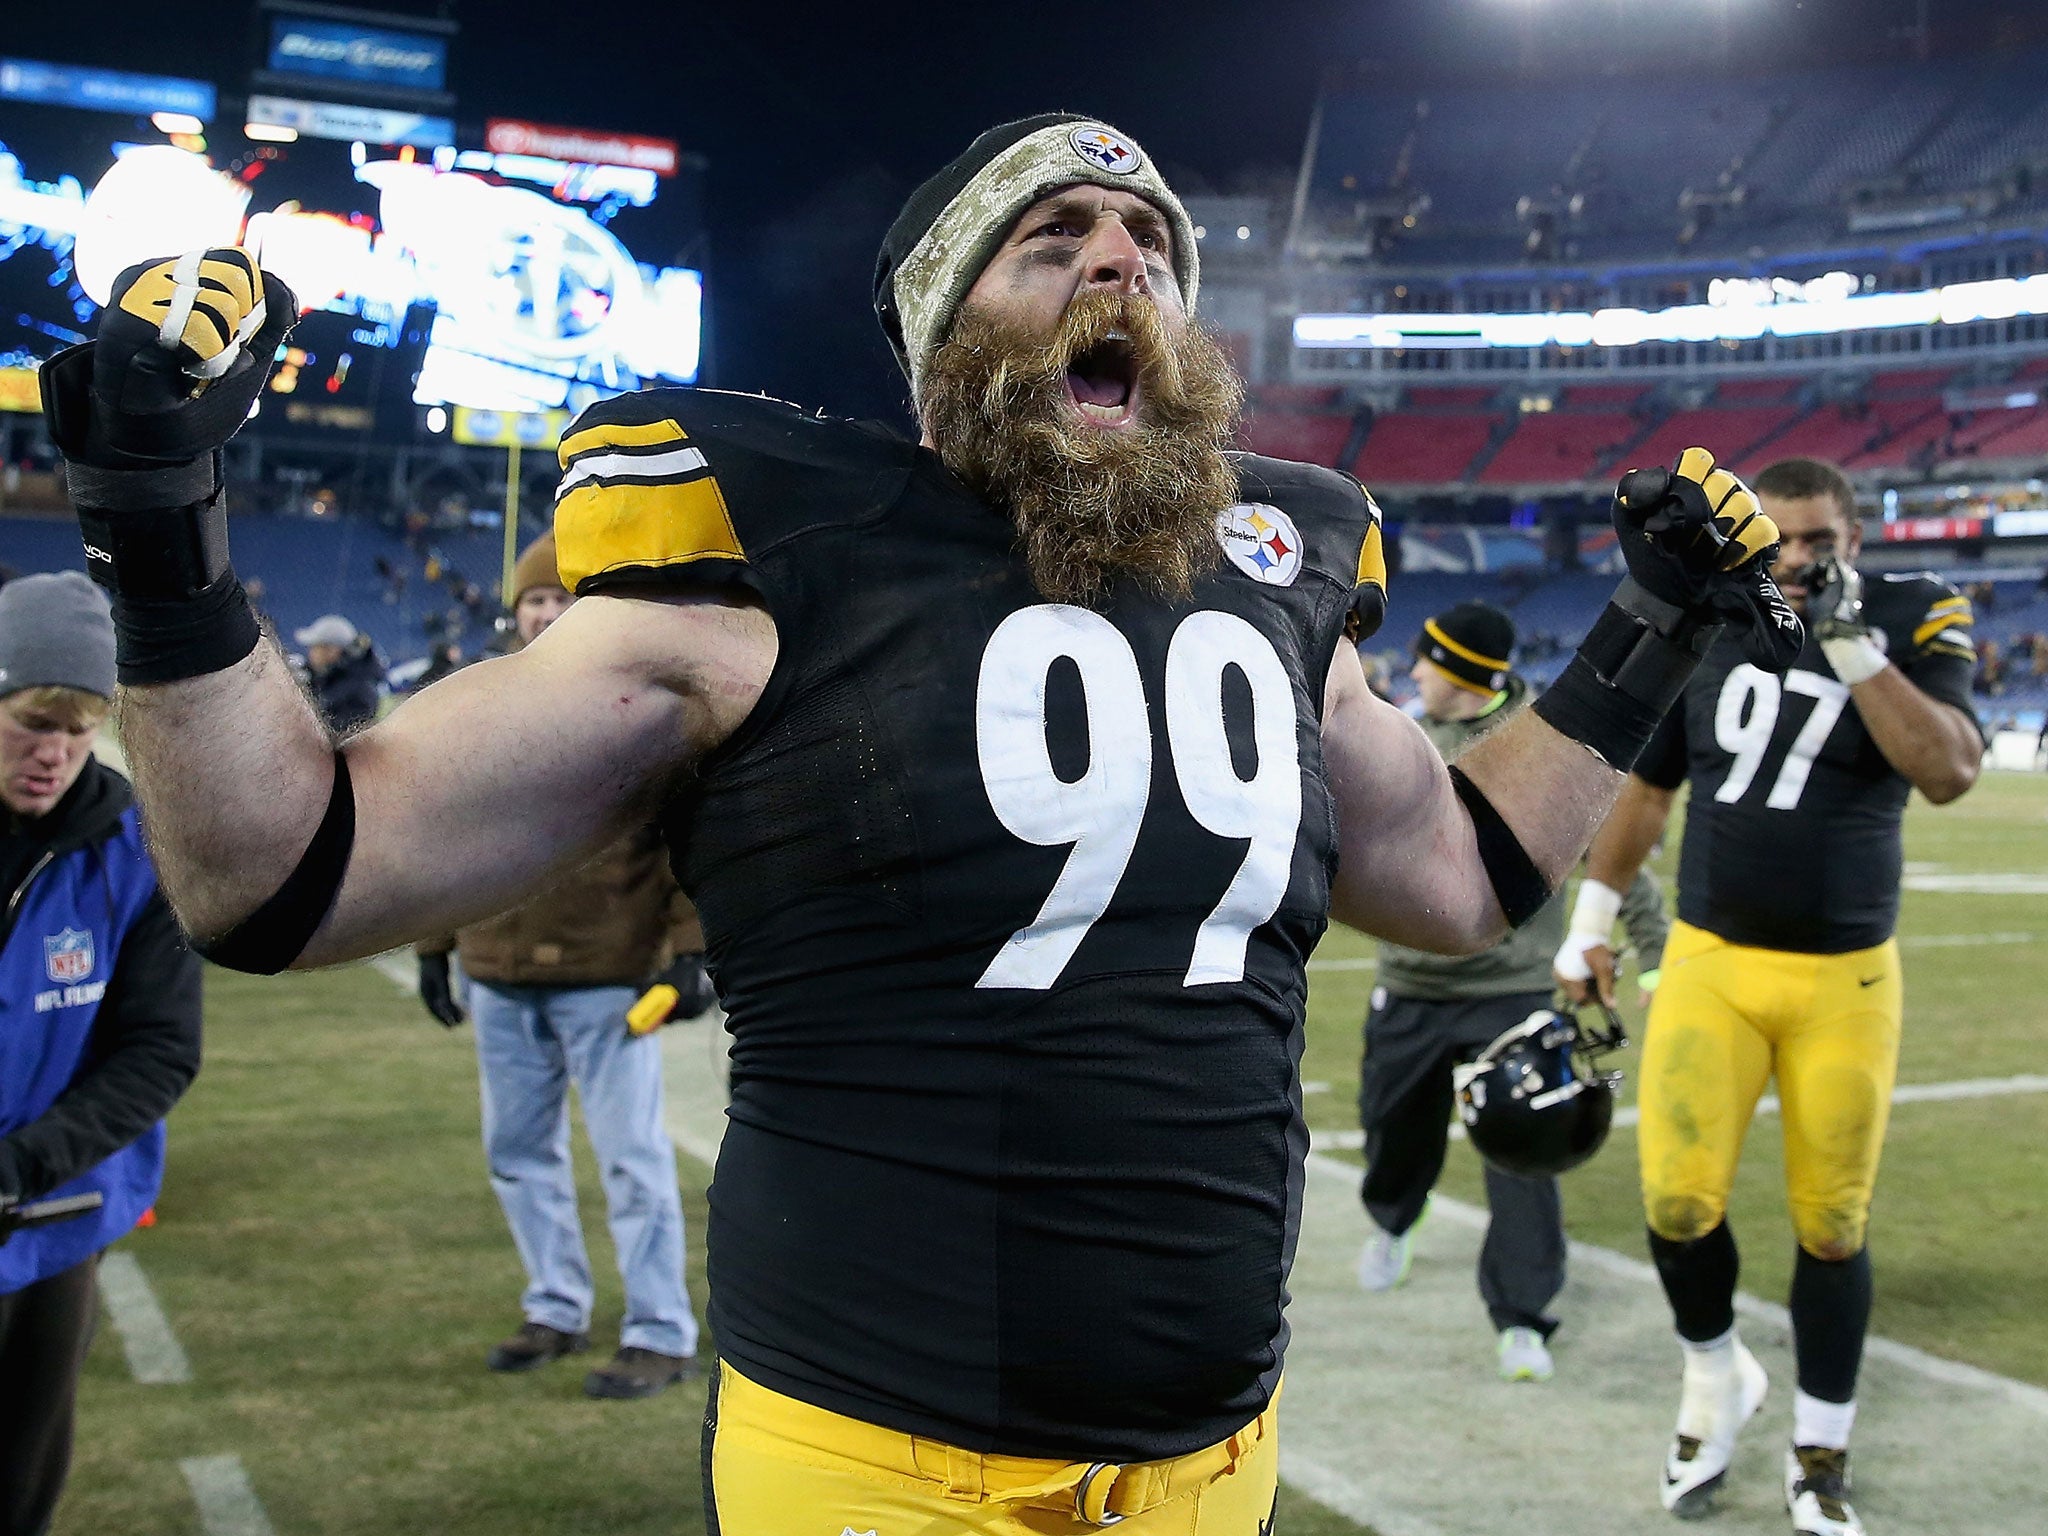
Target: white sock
<point x="1714" y="1355"/>
<point x="1824" y="1424"/>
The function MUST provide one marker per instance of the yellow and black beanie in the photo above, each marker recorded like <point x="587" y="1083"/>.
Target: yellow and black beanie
<point x="1471" y="644"/>
<point x="953" y="223"/>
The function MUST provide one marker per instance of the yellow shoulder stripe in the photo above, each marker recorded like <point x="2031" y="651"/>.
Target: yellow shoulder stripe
<point x="1935" y="626"/>
<point x="620" y="434"/>
<point x="602" y="528"/>
<point x="1949" y="604"/>
<point x="1372" y="559"/>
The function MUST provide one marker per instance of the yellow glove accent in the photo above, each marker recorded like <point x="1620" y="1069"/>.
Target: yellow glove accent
<point x="1738" y="516"/>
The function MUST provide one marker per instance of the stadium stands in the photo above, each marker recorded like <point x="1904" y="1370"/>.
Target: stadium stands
<point x="1786" y="161"/>
<point x="310" y="567"/>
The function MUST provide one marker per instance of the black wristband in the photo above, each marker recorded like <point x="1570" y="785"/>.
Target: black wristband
<point x="276" y="933"/>
<point x="1624" y="679"/>
<point x="166" y="642"/>
<point x="1518" y="884"/>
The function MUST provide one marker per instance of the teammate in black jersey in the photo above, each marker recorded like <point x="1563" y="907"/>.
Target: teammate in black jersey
<point x="1015" y="774"/>
<point x="1783" y="964"/>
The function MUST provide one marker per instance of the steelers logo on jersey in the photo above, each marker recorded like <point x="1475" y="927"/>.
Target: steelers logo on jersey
<point x="1261" y="541"/>
<point x="1104" y="150"/>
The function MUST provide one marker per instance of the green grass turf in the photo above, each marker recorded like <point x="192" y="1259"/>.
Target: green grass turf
<point x="1956" y="1233"/>
<point x="332" y="1260"/>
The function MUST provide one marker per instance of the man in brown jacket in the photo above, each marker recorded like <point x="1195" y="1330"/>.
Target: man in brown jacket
<point x="550" y="983"/>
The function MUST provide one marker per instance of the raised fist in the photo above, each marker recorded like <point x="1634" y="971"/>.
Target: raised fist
<point x="182" y="351"/>
<point x="1695" y="538"/>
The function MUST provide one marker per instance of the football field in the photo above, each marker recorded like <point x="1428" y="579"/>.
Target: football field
<point x="297" y="1346"/>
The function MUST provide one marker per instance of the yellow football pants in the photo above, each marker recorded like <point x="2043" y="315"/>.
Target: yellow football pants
<point x="1725" y="1020"/>
<point x="774" y="1465"/>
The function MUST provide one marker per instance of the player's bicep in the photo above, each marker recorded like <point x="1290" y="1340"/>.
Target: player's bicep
<point x="496" y="780"/>
<point x="1408" y="867"/>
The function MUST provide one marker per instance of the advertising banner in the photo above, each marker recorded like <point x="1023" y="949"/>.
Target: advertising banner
<point x="340" y="50"/>
<point x="337" y="120"/>
<point x="104" y="90"/>
<point x="585" y="146"/>
<point x="505" y="429"/>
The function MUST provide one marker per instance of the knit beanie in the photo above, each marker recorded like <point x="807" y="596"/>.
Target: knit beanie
<point x="953" y="224"/>
<point x="56" y="631"/>
<point x="1471" y="644"/>
<point x="536" y="568"/>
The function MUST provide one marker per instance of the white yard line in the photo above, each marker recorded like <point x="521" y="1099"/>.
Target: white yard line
<point x="1963" y="940"/>
<point x="397" y="967"/>
<point x="1905" y="1093"/>
<point x="1953" y="1372"/>
<point x="154" y="1355"/>
<point x="228" y="1506"/>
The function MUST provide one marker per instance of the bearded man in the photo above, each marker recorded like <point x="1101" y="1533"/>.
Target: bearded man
<point x="1015" y="774"/>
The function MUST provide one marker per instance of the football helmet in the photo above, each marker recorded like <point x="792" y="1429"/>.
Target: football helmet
<point x="1536" y="1102"/>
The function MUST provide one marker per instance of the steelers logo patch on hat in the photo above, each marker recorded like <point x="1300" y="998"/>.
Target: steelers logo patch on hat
<point x="1103" y="149"/>
<point x="1261" y="541"/>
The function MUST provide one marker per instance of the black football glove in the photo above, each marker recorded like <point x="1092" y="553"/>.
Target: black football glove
<point x="1697" y="542"/>
<point x="694" y="993"/>
<point x="182" y="351"/>
<point x="1837" y="602"/>
<point x="437" y="991"/>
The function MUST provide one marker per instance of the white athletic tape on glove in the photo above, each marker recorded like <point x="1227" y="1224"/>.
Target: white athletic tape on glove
<point x="1855" y="658"/>
<point x="1593" y="915"/>
<point x="185" y="275"/>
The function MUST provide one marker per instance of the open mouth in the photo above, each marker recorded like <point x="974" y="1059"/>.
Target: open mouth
<point x="1102" y="381"/>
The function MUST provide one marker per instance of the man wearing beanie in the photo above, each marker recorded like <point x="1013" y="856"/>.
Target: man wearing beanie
<point x="1431" y="1012"/>
<point x="550" y="985"/>
<point x="1015" y="773"/>
<point x="99" y="1018"/>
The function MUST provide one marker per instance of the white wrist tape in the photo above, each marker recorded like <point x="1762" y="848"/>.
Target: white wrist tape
<point x="1593" y="915"/>
<point x="1855" y="658"/>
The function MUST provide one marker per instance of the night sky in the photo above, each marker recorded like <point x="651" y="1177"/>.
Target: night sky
<point x="817" y="119"/>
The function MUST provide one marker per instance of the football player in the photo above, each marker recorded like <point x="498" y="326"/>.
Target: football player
<point x="1015" y="773"/>
<point x="1783" y="964"/>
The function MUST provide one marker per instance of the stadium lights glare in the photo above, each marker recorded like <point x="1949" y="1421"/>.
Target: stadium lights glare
<point x="176" y="122"/>
<point x="271" y="133"/>
<point x="1739" y="317"/>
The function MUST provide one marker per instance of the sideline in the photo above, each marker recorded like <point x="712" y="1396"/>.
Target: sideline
<point x="228" y="1506"/>
<point x="155" y="1357"/>
<point x="1935" y="1367"/>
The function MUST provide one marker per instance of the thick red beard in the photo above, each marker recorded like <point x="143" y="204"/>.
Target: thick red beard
<point x="1091" y="503"/>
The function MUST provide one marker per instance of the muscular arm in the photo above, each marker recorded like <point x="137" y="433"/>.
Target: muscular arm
<point x="1408" y="858"/>
<point x="1640" y="814"/>
<point x="468" y="798"/>
<point x="1934" y="745"/>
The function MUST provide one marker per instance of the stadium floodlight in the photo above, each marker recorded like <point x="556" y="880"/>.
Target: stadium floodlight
<point x="271" y="133"/>
<point x="1819" y="308"/>
<point x="176" y="122"/>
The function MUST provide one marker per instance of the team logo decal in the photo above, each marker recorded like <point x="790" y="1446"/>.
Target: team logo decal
<point x="1261" y="541"/>
<point x="67" y="956"/>
<point x="1104" y="150"/>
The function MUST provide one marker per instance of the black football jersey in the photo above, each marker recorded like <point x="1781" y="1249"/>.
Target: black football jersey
<point x="1792" y="835"/>
<point x="1009" y="903"/>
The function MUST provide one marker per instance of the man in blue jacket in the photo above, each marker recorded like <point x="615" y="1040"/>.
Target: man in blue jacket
<point x="99" y="1016"/>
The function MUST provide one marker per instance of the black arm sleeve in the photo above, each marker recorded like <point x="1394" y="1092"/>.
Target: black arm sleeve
<point x="143" y="1054"/>
<point x="1662" y="761"/>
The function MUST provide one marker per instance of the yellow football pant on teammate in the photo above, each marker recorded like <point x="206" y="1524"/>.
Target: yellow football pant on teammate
<point x="1726" y="1018"/>
<point x="777" y="1465"/>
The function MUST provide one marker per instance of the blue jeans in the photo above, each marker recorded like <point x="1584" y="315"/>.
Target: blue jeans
<point x="530" y="1042"/>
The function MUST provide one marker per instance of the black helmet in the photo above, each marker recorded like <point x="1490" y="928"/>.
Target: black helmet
<point x="1534" y="1103"/>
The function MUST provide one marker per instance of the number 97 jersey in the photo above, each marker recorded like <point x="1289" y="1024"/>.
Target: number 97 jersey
<point x="1009" y="903"/>
<point x="1792" y="834"/>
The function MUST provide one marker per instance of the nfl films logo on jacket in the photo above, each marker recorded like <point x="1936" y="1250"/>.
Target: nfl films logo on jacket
<point x="67" y="956"/>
